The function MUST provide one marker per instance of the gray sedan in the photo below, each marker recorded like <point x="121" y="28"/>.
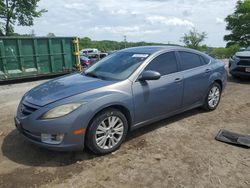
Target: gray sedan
<point x="126" y="90"/>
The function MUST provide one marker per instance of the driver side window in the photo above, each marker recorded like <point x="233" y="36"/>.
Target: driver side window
<point x="164" y="64"/>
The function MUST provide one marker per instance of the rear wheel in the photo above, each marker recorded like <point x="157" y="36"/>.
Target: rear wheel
<point x="213" y="97"/>
<point x="107" y="131"/>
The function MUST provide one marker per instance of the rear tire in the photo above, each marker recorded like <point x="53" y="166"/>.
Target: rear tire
<point x="107" y="132"/>
<point x="213" y="97"/>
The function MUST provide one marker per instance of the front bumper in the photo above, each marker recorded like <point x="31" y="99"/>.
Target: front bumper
<point x="239" y="67"/>
<point x="31" y="127"/>
<point x="69" y="143"/>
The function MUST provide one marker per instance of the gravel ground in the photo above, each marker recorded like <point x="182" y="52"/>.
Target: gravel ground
<point x="176" y="152"/>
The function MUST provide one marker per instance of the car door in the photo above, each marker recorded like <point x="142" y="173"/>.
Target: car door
<point x="156" y="98"/>
<point x="196" y="72"/>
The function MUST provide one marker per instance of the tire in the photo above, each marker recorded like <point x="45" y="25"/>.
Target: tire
<point x="214" y="92"/>
<point x="107" y="132"/>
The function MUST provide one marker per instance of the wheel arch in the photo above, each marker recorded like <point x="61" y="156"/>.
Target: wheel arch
<point x="218" y="78"/>
<point x="219" y="82"/>
<point x="119" y="107"/>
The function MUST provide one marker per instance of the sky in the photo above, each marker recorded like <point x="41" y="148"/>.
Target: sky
<point x="163" y="21"/>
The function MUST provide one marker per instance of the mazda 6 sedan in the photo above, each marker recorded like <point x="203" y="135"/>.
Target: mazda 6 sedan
<point x="126" y="90"/>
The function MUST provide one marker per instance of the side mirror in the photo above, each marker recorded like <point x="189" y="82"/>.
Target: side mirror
<point x="242" y="49"/>
<point x="149" y="75"/>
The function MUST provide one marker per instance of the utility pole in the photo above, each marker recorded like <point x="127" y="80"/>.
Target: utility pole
<point x="125" y="41"/>
<point x="33" y="33"/>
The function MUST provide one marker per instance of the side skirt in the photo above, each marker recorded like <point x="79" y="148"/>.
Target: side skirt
<point x="141" y="124"/>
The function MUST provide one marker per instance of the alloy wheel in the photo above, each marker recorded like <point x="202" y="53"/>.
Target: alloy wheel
<point x="214" y="97"/>
<point x="109" y="132"/>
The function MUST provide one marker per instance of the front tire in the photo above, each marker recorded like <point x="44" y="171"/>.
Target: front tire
<point x="213" y="97"/>
<point x="107" y="132"/>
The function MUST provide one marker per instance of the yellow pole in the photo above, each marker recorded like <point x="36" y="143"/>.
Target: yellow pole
<point x="77" y="53"/>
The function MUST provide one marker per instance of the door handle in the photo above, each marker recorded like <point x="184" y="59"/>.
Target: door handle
<point x="207" y="70"/>
<point x="177" y="79"/>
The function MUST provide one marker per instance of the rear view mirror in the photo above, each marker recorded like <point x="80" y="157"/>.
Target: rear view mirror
<point x="149" y="75"/>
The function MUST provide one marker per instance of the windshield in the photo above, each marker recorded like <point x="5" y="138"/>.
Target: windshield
<point x="117" y="66"/>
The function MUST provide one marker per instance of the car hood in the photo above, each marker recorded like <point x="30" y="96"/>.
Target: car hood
<point x="243" y="54"/>
<point x="63" y="87"/>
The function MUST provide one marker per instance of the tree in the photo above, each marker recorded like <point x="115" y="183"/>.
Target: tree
<point x="51" y="35"/>
<point x="21" y="12"/>
<point x="224" y="52"/>
<point x="108" y="45"/>
<point x="239" y="24"/>
<point x="193" y="39"/>
<point x="86" y="42"/>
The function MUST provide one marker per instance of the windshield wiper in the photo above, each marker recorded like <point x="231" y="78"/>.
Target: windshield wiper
<point x="92" y="74"/>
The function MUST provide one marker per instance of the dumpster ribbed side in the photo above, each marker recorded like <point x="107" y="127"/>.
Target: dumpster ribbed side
<point x="36" y="56"/>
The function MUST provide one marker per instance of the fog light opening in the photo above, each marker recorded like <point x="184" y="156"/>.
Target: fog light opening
<point x="52" y="138"/>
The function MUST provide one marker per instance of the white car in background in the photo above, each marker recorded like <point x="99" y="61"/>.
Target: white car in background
<point x="88" y="51"/>
<point x="93" y="54"/>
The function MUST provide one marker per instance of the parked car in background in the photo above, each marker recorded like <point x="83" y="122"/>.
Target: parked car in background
<point x="88" y="51"/>
<point x="131" y="88"/>
<point x="102" y="55"/>
<point x="93" y="54"/>
<point x="239" y="64"/>
<point x="95" y="57"/>
<point x="85" y="61"/>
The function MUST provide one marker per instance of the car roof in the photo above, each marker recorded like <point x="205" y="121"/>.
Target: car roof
<point x="150" y="49"/>
<point x="153" y="49"/>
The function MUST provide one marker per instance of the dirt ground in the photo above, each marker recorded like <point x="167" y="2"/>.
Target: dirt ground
<point x="177" y="152"/>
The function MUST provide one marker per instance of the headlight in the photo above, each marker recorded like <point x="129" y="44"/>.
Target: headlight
<point x="236" y="58"/>
<point x="61" y="110"/>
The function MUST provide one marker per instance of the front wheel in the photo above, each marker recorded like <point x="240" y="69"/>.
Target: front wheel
<point x="107" y="131"/>
<point x="213" y="97"/>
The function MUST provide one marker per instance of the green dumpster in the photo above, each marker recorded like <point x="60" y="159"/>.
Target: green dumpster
<point x="37" y="56"/>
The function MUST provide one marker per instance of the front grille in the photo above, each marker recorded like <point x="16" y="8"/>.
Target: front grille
<point x="244" y="61"/>
<point x="27" y="109"/>
<point x="240" y="69"/>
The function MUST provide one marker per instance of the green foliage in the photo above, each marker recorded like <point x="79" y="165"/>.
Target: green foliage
<point x="107" y="45"/>
<point x="239" y="24"/>
<point x="193" y="39"/>
<point x="223" y="53"/>
<point x="21" y="12"/>
<point x="51" y="35"/>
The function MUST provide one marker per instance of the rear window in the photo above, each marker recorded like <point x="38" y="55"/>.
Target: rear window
<point x="190" y="60"/>
<point x="206" y="60"/>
